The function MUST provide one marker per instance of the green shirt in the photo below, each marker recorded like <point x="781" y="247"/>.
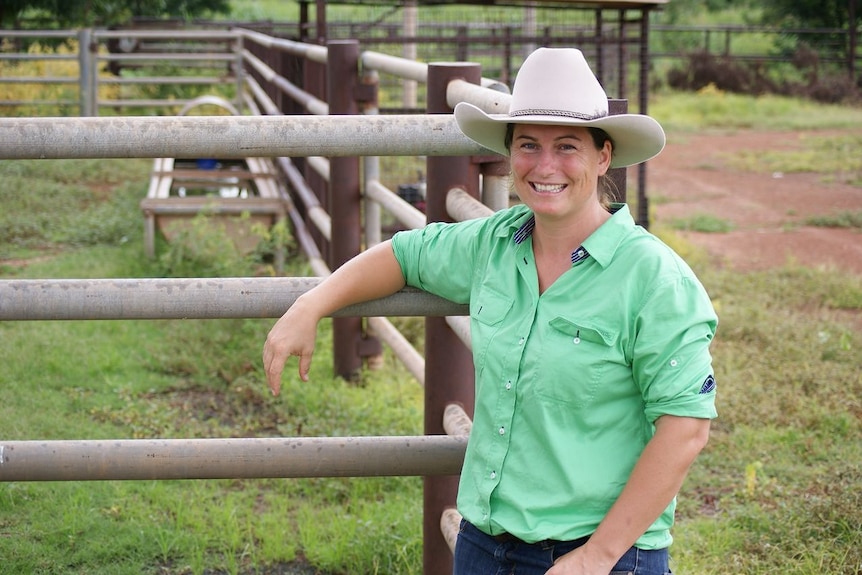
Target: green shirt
<point x="569" y="383"/>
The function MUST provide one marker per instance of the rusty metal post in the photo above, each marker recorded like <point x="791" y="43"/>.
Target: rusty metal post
<point x="618" y="175"/>
<point x="643" y="99"/>
<point x="448" y="363"/>
<point x="342" y="78"/>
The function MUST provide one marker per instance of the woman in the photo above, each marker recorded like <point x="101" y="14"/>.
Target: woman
<point x="594" y="385"/>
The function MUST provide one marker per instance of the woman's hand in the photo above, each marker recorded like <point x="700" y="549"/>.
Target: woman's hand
<point x="581" y="561"/>
<point x="295" y="333"/>
<point x="373" y="274"/>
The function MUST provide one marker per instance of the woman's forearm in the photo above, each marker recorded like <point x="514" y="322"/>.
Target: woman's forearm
<point x="373" y="274"/>
<point x="654" y="482"/>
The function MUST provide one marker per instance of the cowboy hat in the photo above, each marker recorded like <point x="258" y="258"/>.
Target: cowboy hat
<point x="556" y="86"/>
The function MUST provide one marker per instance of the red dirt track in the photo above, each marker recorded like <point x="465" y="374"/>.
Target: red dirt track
<point x="693" y="176"/>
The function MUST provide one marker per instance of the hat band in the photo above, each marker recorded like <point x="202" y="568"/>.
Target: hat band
<point x="557" y="113"/>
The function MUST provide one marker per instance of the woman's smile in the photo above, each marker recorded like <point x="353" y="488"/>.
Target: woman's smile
<point x="548" y="188"/>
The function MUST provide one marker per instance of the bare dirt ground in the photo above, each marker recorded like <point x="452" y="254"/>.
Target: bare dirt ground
<point x="693" y="176"/>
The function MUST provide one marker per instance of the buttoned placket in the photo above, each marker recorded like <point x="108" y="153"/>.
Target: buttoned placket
<point x="507" y="392"/>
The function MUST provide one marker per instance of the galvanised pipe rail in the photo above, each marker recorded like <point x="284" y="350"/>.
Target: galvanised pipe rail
<point x="405" y="213"/>
<point x="411" y="70"/>
<point x="195" y="298"/>
<point x="289" y="457"/>
<point x="311" y="52"/>
<point x="233" y="137"/>
<point x="308" y="102"/>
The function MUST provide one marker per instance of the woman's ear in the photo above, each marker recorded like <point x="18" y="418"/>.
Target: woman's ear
<point x="606" y="154"/>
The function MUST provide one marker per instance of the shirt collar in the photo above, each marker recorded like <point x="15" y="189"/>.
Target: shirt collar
<point x="602" y="243"/>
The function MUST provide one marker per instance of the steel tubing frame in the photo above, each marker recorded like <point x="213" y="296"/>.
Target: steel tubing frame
<point x="283" y="457"/>
<point x="232" y="137"/>
<point x="196" y="298"/>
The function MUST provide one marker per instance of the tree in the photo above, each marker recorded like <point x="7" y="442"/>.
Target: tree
<point x="81" y="13"/>
<point x="828" y="14"/>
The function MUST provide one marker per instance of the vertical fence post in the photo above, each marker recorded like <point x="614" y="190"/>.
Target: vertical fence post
<point x="448" y="363"/>
<point x="85" y="73"/>
<point x="239" y="70"/>
<point x="643" y="100"/>
<point x="618" y="175"/>
<point x="342" y="79"/>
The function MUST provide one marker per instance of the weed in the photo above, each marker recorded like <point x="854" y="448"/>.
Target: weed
<point x="839" y="220"/>
<point x="705" y="223"/>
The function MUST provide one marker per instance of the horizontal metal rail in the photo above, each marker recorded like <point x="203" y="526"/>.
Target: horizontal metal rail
<point x="129" y="459"/>
<point x="312" y="52"/>
<point x="195" y="298"/>
<point x="233" y="137"/>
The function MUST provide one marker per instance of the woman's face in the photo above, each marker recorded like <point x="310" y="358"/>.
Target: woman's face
<point x="555" y="169"/>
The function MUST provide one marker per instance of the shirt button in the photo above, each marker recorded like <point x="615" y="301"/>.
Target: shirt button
<point x="508" y="385"/>
<point x="673" y="363"/>
<point x="577" y="340"/>
<point x="493" y="475"/>
<point x="502" y="431"/>
<point x="521" y="341"/>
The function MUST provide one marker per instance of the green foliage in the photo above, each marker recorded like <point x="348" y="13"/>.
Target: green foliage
<point x="706" y="223"/>
<point x="714" y="109"/>
<point x="83" y="13"/>
<point x="836" y="157"/>
<point x="204" y="249"/>
<point x="776" y="491"/>
<point x="809" y="13"/>
<point x="839" y="220"/>
<point x="79" y="202"/>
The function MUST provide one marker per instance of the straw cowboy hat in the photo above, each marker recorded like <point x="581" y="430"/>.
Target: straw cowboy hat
<point x="556" y="86"/>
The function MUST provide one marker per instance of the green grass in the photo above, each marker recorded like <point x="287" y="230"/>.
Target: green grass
<point x="176" y="379"/>
<point x="839" y="220"/>
<point x="776" y="490"/>
<point x="716" y="110"/>
<point x="706" y="223"/>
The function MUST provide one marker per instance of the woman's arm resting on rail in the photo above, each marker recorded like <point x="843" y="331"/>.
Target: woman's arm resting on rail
<point x="373" y="274"/>
<point x="654" y="482"/>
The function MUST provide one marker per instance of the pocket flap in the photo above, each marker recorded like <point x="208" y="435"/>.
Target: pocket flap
<point x="584" y="330"/>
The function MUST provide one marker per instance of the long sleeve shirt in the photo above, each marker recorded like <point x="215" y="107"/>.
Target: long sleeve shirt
<point x="569" y="382"/>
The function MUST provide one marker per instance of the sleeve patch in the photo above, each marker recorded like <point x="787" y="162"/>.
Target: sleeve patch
<point x="708" y="385"/>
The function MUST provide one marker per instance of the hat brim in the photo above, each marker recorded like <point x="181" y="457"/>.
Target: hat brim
<point x="636" y="137"/>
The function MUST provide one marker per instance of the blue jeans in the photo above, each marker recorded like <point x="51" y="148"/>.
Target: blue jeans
<point x="479" y="554"/>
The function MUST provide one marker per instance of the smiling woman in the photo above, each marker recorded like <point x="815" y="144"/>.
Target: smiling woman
<point x="564" y="373"/>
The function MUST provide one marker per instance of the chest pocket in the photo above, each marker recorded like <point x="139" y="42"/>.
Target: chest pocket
<point x="487" y="311"/>
<point x="576" y="355"/>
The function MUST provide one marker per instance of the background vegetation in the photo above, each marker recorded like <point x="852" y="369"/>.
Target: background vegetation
<point x="778" y="489"/>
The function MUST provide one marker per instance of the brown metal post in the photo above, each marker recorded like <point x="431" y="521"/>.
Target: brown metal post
<point x="618" y="175"/>
<point x="448" y="363"/>
<point x="342" y="79"/>
<point x="643" y="99"/>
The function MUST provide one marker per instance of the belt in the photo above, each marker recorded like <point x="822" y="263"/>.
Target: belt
<point x="509" y="538"/>
<point x="506" y="538"/>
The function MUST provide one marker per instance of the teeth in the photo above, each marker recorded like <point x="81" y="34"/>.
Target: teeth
<point x="548" y="187"/>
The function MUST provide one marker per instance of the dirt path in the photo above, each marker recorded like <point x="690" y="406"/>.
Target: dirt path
<point x="767" y="210"/>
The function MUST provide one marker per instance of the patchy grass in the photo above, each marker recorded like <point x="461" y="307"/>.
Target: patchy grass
<point x="836" y="157"/>
<point x="706" y="223"/>
<point x="711" y="109"/>
<point x="839" y="220"/>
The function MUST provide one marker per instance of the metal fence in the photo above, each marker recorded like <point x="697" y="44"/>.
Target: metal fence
<point x="338" y="141"/>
